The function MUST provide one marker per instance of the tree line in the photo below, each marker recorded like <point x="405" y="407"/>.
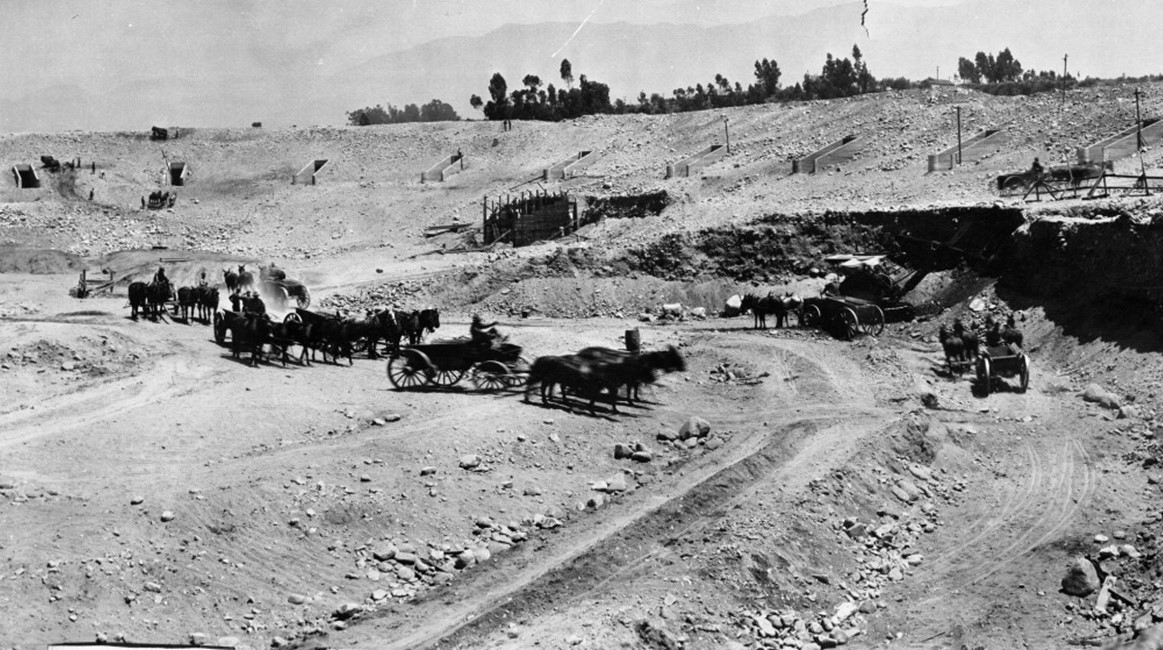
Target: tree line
<point x="999" y="74"/>
<point x="433" y="111"/>
<point x="535" y="100"/>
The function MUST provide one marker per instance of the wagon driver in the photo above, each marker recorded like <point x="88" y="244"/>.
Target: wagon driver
<point x="160" y="276"/>
<point x="483" y="333"/>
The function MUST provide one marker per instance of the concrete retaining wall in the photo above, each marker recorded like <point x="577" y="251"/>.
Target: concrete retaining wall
<point x="307" y="174"/>
<point x="443" y="169"/>
<point x="570" y="166"/>
<point x="697" y="162"/>
<point x="1123" y="143"/>
<point x="983" y="143"/>
<point x="833" y="155"/>
<point x="26" y="176"/>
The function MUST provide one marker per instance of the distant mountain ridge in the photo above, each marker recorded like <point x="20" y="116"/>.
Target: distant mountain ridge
<point x="279" y="83"/>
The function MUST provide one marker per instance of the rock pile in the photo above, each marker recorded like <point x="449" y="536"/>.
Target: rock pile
<point x="693" y="433"/>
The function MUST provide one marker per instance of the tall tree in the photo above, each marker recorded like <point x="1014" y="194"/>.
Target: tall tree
<point x="968" y="71"/>
<point x="567" y="73"/>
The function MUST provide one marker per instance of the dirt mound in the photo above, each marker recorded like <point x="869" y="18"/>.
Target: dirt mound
<point x="16" y="259"/>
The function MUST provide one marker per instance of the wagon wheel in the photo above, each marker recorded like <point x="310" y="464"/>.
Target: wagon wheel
<point x="1014" y="184"/>
<point x="303" y="300"/>
<point x="1025" y="373"/>
<point x="983" y="374"/>
<point x="491" y="375"/>
<point x="810" y="316"/>
<point x="447" y="377"/>
<point x="874" y="324"/>
<point x="219" y="328"/>
<point x="850" y="323"/>
<point x="292" y="318"/>
<point x="410" y="369"/>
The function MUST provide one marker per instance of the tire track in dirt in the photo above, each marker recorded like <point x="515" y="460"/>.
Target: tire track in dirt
<point x="87" y="407"/>
<point x="806" y="434"/>
<point x="1059" y="484"/>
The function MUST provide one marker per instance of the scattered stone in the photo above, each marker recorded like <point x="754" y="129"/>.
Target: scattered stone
<point x="1099" y="395"/>
<point x="296" y="599"/>
<point x="392" y="417"/>
<point x="168" y="516"/>
<point x="642" y="456"/>
<point x="622" y="451"/>
<point x="470" y="461"/>
<point x="427" y="471"/>
<point x="868" y="607"/>
<point x="617" y="483"/>
<point x="1101" y="539"/>
<point x="152" y="586"/>
<point x="532" y="491"/>
<point x="137" y="500"/>
<point x="714" y="443"/>
<point x="379" y="594"/>
<point x="694" y="427"/>
<point x="901" y="494"/>
<point x="384" y="553"/>
<point x="366" y="478"/>
<point x="405" y="558"/>
<point x="1081" y="579"/>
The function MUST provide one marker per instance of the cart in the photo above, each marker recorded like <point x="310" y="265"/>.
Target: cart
<point x="1002" y="361"/>
<point x="844" y="316"/>
<point x="281" y="292"/>
<point x="445" y="364"/>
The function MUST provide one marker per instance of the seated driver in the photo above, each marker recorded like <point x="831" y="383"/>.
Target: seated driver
<point x="483" y="333"/>
<point x="160" y="276"/>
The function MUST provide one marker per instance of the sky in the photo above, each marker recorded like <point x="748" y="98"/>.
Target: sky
<point x="100" y="64"/>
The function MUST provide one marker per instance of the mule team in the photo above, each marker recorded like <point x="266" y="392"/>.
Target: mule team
<point x="252" y="329"/>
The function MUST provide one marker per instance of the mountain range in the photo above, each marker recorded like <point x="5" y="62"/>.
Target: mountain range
<point x="130" y="70"/>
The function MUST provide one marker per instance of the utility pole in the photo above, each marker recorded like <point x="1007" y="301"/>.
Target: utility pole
<point x="1064" y="73"/>
<point x="1138" y="122"/>
<point x="727" y="131"/>
<point x="958" y="135"/>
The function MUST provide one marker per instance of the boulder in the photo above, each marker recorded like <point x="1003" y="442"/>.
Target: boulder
<point x="470" y="461"/>
<point x="1099" y="395"/>
<point x="1081" y="579"/>
<point x="733" y="306"/>
<point x="694" y="427"/>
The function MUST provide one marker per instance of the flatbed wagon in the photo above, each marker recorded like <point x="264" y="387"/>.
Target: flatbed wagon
<point x="446" y="364"/>
<point x="844" y="316"/>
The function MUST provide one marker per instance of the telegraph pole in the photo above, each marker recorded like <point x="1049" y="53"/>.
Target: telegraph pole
<point x="1138" y="122"/>
<point x="727" y="132"/>
<point x="958" y="135"/>
<point x="1064" y="73"/>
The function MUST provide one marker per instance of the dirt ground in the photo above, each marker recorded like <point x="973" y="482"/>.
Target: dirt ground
<point x="157" y="490"/>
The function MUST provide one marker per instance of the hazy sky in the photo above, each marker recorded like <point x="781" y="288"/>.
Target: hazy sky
<point x="78" y="63"/>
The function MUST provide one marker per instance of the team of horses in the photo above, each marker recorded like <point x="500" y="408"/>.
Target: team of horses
<point x="318" y="334"/>
<point x="782" y="307"/>
<point x="962" y="344"/>
<point x="596" y="372"/>
<point x="152" y="299"/>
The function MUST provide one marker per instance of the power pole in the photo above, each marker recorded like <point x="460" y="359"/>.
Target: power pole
<point x="1138" y="122"/>
<point x="727" y="131"/>
<point x="958" y="135"/>
<point x="1064" y="73"/>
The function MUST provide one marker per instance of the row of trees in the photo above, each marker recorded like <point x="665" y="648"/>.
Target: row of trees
<point x="838" y="78"/>
<point x="433" y="111"/>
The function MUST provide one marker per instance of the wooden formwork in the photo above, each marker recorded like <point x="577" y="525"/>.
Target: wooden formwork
<point x="971" y="149"/>
<point x="443" y="169"/>
<point x="831" y="155"/>
<point x="89" y="286"/>
<point x="530" y="217"/>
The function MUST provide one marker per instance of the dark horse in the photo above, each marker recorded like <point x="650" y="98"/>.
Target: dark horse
<point x="149" y="299"/>
<point x="779" y="306"/>
<point x="250" y="331"/>
<point x="643" y="367"/>
<point x="584" y="378"/>
<point x="187" y="301"/>
<point x="383" y="325"/>
<point x="207" y="301"/>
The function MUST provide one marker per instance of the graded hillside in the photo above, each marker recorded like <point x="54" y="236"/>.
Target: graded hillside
<point x="239" y="198"/>
<point x="162" y="481"/>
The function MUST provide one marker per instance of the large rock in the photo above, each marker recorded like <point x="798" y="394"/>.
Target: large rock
<point x="1081" y="579"/>
<point x="694" y="427"/>
<point x="470" y="461"/>
<point x="733" y="306"/>
<point x="1099" y="395"/>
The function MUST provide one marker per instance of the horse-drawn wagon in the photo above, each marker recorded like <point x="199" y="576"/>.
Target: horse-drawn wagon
<point x="1002" y="361"/>
<point x="844" y="316"/>
<point x="445" y="364"/>
<point x="274" y="285"/>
